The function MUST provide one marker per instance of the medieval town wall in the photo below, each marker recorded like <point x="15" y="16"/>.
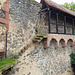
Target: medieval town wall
<point x="25" y="20"/>
<point x="22" y="23"/>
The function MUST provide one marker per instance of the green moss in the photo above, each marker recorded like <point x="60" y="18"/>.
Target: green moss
<point x="36" y="40"/>
<point x="6" y="62"/>
<point x="37" y="37"/>
<point x="40" y="35"/>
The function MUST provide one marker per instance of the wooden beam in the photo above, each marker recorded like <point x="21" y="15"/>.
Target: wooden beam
<point x="49" y="20"/>
<point x="56" y="22"/>
<point x="64" y="24"/>
<point x="73" y="26"/>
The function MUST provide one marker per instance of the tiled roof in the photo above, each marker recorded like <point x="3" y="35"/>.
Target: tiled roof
<point x="58" y="7"/>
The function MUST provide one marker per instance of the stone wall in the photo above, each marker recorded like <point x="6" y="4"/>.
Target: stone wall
<point x="2" y="34"/>
<point x="65" y="38"/>
<point x="25" y="21"/>
<point x="23" y="16"/>
<point x="44" y="23"/>
<point x="4" y="26"/>
<point x="40" y="61"/>
<point x="2" y="13"/>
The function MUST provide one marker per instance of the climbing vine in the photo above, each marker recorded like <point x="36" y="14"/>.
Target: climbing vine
<point x="72" y="55"/>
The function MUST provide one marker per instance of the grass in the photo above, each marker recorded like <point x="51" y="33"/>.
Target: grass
<point x="6" y="62"/>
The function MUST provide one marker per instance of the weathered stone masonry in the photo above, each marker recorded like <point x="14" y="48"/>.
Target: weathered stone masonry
<point x="47" y="61"/>
<point x="51" y="55"/>
<point x="22" y="25"/>
<point x="4" y="24"/>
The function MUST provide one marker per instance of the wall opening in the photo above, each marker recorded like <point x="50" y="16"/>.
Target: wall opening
<point x="70" y="43"/>
<point x="53" y="43"/>
<point x="62" y="43"/>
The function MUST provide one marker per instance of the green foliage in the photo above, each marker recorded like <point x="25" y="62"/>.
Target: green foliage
<point x="72" y="55"/>
<point x="6" y="62"/>
<point x="40" y="35"/>
<point x="70" y="6"/>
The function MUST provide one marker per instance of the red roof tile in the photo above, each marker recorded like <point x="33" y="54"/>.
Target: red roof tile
<point x="58" y="7"/>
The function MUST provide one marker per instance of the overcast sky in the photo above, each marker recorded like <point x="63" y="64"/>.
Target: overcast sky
<point x="60" y="1"/>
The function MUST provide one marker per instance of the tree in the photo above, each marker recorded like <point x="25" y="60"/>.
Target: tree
<point x="70" y="6"/>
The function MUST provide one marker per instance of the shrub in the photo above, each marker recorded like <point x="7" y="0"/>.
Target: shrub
<point x="72" y="55"/>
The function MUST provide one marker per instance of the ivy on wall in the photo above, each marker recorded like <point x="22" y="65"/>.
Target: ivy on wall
<point x="72" y="55"/>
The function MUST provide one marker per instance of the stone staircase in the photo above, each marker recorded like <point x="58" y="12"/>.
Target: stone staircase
<point x="39" y="37"/>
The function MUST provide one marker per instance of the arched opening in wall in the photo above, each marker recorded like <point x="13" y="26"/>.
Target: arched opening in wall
<point x="53" y="43"/>
<point x="62" y="43"/>
<point x="70" y="43"/>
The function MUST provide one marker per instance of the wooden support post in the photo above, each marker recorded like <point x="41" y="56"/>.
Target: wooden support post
<point x="49" y="19"/>
<point x="64" y="24"/>
<point x="73" y="26"/>
<point x="57" y="23"/>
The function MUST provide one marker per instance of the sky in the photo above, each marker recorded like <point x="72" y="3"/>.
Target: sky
<point x="60" y="1"/>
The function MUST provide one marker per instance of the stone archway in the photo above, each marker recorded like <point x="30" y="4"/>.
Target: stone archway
<point x="62" y="43"/>
<point x="70" y="43"/>
<point x="53" y="43"/>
